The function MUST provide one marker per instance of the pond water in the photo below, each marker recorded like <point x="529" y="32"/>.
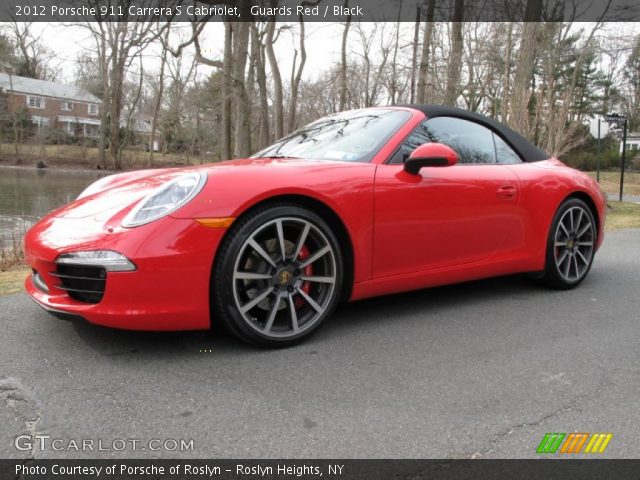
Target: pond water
<point x="27" y="194"/>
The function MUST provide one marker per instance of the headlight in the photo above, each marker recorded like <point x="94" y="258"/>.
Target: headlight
<point x="107" y="259"/>
<point x="165" y="199"/>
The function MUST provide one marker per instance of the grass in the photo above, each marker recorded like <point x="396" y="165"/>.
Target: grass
<point x="13" y="281"/>
<point x="13" y="270"/>
<point x="622" y="215"/>
<point x="610" y="182"/>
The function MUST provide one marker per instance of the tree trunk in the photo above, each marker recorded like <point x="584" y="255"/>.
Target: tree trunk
<point x="101" y="46"/>
<point x="133" y="105"/>
<point x="506" y="81"/>
<point x="160" y="92"/>
<point x="343" y="62"/>
<point x="455" y="59"/>
<point x="278" y="107"/>
<point x="261" y="78"/>
<point x="242" y="143"/>
<point x="226" y="90"/>
<point x="295" y="83"/>
<point x="414" y="54"/>
<point x="115" y="107"/>
<point x="424" y="58"/>
<point x="394" y="75"/>
<point x="519" y="114"/>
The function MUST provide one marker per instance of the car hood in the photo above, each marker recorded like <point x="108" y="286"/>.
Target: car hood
<point x="120" y="192"/>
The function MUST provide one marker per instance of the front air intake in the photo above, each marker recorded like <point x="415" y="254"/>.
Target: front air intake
<point x="85" y="283"/>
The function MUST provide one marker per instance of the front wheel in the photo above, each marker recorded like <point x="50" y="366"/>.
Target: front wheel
<point x="571" y="245"/>
<point x="278" y="276"/>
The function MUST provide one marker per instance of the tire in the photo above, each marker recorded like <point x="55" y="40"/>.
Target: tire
<point x="277" y="277"/>
<point x="570" y="245"/>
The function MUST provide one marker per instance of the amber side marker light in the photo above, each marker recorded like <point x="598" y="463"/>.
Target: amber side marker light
<point x="216" y="222"/>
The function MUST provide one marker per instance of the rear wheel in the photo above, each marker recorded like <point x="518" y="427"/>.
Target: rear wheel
<point x="278" y="276"/>
<point x="571" y="245"/>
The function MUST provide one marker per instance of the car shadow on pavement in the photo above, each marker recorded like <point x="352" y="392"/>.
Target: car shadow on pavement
<point x="348" y="319"/>
<point x="427" y="304"/>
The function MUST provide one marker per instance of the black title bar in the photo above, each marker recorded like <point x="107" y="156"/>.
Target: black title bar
<point x="315" y="10"/>
<point x="311" y="469"/>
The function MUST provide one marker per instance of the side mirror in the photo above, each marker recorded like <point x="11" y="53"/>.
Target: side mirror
<point x="430" y="155"/>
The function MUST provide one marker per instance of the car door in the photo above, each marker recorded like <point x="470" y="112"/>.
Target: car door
<point x="444" y="216"/>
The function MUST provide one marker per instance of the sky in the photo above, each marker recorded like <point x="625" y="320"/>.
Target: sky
<point x="323" y="43"/>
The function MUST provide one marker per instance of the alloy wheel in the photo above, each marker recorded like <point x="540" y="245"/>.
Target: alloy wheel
<point x="574" y="244"/>
<point x="284" y="277"/>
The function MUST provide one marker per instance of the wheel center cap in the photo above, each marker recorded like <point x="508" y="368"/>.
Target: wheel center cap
<point x="284" y="277"/>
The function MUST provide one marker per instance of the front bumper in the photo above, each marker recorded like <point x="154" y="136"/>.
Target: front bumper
<point x="169" y="290"/>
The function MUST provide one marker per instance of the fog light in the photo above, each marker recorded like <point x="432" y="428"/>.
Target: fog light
<point x="39" y="282"/>
<point x="107" y="259"/>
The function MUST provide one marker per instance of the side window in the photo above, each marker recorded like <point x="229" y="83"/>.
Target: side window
<point x="418" y="137"/>
<point x="474" y="143"/>
<point x="504" y="153"/>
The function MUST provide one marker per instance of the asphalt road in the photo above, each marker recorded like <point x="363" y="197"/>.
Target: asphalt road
<point x="483" y="369"/>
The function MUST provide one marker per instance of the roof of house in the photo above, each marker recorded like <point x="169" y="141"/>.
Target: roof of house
<point x="527" y="150"/>
<point x="31" y="86"/>
<point x="140" y="123"/>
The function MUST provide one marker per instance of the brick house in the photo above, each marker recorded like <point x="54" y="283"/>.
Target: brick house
<point x="53" y="105"/>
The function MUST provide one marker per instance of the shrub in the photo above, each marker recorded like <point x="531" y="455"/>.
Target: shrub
<point x="588" y="160"/>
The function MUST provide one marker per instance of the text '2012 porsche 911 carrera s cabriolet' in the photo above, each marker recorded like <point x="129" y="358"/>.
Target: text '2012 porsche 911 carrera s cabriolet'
<point x="354" y="205"/>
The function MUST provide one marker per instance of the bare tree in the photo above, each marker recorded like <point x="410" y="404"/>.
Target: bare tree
<point x="158" y="94"/>
<point x="242" y="143"/>
<point x="132" y="110"/>
<point x="296" y="77"/>
<point x="372" y="71"/>
<point x="394" y="84"/>
<point x="278" y="106"/>
<point x="34" y="59"/>
<point x="226" y="90"/>
<point x="343" y="61"/>
<point x="424" y="57"/>
<point x="258" y="52"/>
<point x="118" y="44"/>
<point x="455" y="58"/>
<point x="506" y="78"/>
<point x="519" y="111"/>
<point x="561" y="131"/>
<point x="414" y="53"/>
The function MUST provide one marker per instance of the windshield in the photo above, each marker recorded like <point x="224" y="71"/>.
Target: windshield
<point x="354" y="136"/>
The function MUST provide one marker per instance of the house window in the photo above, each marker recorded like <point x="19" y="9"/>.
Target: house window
<point x="93" y="109"/>
<point x="35" y="102"/>
<point x="40" y="121"/>
<point x="67" y="106"/>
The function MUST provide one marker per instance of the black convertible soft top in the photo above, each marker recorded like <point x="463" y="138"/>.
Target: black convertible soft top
<point x="527" y="151"/>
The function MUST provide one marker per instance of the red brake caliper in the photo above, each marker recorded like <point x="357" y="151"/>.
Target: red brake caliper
<point x="307" y="272"/>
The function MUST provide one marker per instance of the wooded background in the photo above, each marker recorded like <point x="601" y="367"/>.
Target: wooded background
<point x="544" y="79"/>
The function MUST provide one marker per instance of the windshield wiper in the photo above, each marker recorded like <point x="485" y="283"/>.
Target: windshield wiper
<point x="277" y="156"/>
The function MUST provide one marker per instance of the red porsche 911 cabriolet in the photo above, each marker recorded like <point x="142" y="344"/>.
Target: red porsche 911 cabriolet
<point x="354" y="205"/>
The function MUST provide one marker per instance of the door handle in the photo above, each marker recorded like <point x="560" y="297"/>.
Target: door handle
<point x="507" y="191"/>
